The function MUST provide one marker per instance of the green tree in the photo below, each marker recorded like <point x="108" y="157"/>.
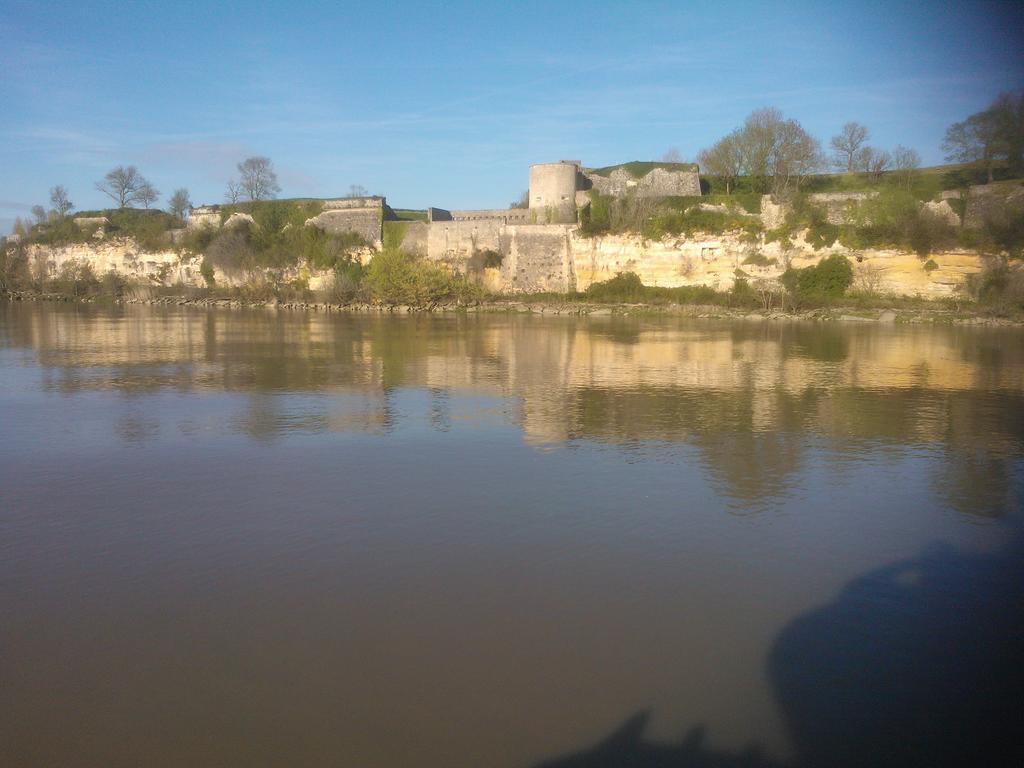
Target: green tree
<point x="995" y="133"/>
<point x="723" y="160"/>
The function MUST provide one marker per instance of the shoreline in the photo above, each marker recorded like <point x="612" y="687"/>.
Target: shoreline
<point x="553" y="307"/>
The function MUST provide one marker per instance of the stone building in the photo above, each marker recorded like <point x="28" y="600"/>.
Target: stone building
<point x="532" y="244"/>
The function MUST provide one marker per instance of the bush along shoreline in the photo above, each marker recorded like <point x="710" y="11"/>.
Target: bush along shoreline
<point x="396" y="283"/>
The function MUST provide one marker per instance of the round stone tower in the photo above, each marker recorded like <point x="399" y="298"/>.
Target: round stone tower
<point x="553" y="191"/>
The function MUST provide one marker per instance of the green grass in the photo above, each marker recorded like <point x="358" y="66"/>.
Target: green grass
<point x="409" y="214"/>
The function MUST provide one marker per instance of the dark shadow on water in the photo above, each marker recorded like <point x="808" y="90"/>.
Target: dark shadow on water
<point x="627" y="747"/>
<point x="918" y="663"/>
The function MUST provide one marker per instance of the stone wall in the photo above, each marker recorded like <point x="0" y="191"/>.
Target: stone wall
<point x="837" y="205"/>
<point x="504" y="215"/>
<point x="537" y="259"/>
<point x="204" y="216"/>
<point x="365" y="222"/>
<point x="659" y="182"/>
<point x="459" y="240"/>
<point x="994" y="201"/>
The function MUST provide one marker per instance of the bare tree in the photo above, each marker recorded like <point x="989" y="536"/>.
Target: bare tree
<point x="868" y="278"/>
<point x="234" y="192"/>
<point x="905" y="161"/>
<point x="357" y="190"/>
<point x="847" y="143"/>
<point x="147" y="195"/>
<point x="39" y="213"/>
<point x="123" y="185"/>
<point x="723" y="159"/>
<point x="523" y="202"/>
<point x="179" y="203"/>
<point x="768" y="292"/>
<point x="796" y="155"/>
<point x="673" y="155"/>
<point x="873" y="162"/>
<point x="60" y="201"/>
<point x="258" y="179"/>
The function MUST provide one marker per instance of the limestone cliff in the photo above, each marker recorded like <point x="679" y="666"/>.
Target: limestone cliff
<point x="555" y="258"/>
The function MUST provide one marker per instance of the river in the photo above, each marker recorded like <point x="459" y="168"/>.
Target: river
<point x="260" y="538"/>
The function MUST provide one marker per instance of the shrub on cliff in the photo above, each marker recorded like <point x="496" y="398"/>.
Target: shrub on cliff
<point x="669" y="222"/>
<point x="396" y="278"/>
<point x="15" y="274"/>
<point x="894" y="218"/>
<point x="625" y="287"/>
<point x="829" y="278"/>
<point x="75" y="278"/>
<point x="998" y="287"/>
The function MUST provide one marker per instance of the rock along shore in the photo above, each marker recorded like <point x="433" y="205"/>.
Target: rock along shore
<point x="851" y="314"/>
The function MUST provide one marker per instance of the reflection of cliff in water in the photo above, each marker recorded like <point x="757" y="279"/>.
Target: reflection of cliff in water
<point x="751" y="398"/>
<point x="913" y="664"/>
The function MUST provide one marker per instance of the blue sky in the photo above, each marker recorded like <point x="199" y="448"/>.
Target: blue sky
<point x="447" y="104"/>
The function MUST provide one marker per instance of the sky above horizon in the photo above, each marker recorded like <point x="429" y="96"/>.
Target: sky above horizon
<point x="447" y="104"/>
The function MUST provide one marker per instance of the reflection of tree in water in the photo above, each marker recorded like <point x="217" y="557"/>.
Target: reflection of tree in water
<point x="749" y="462"/>
<point x="440" y="416"/>
<point x="578" y="379"/>
<point x="136" y="428"/>
<point x="913" y="664"/>
<point x="265" y="419"/>
<point x="981" y="474"/>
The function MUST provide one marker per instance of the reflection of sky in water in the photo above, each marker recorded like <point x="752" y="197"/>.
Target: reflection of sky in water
<point x="392" y="520"/>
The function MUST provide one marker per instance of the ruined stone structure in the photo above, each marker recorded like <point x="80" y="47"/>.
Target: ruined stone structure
<point x="533" y="243"/>
<point x="463" y="237"/>
<point x="678" y="180"/>
<point x="361" y="215"/>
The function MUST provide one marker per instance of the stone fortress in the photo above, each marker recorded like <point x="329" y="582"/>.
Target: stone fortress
<point x="532" y="244"/>
<point x="540" y="248"/>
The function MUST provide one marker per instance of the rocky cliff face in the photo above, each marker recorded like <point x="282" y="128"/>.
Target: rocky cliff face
<point x="121" y="256"/>
<point x="555" y="258"/>
<point x="716" y="261"/>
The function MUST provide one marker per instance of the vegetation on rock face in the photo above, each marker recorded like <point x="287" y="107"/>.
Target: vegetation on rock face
<point x="638" y="168"/>
<point x="628" y="288"/>
<point x="829" y="278"/>
<point x="655" y="218"/>
<point x="397" y="278"/>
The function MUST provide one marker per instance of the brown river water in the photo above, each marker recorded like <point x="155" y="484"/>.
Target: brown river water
<point x="261" y="538"/>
